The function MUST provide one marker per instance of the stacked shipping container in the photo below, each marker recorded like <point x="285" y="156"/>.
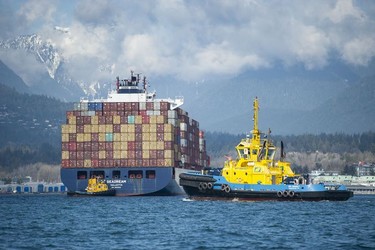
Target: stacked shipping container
<point x="131" y="134"/>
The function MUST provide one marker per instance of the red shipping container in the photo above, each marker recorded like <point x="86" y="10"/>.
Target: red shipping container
<point x="120" y="106"/>
<point x="101" y="145"/>
<point x="95" y="163"/>
<point x="142" y="112"/>
<point x="116" y="128"/>
<point x="109" y="146"/>
<point x="72" y="146"/>
<point x="123" y="119"/>
<point x="131" y="145"/>
<point x="80" y="146"/>
<point x="80" y="129"/>
<point x="95" y="137"/>
<point x="79" y="120"/>
<point x="87" y="155"/>
<point x="101" y="163"/>
<point x="94" y="155"/>
<point x="65" y="163"/>
<point x="160" y="154"/>
<point x="113" y="106"/>
<point x="168" y="145"/>
<point x="149" y="105"/>
<point x="95" y="146"/>
<point x="164" y="113"/>
<point x="65" y="146"/>
<point x="87" y="120"/>
<point x="80" y="164"/>
<point x="117" y="163"/>
<point x="106" y="106"/>
<point x="101" y="120"/>
<point x="72" y="137"/>
<point x="79" y="155"/>
<point x="124" y="163"/>
<point x="160" y="128"/>
<point x="127" y="106"/>
<point x="138" y="146"/>
<point x="138" y="128"/>
<point x="108" y="154"/>
<point x="160" y="136"/>
<point x="87" y="146"/>
<point x="138" y="137"/>
<point x="138" y="155"/>
<point x="108" y="120"/>
<point x="72" y="163"/>
<point x="139" y="163"/>
<point x="98" y="112"/>
<point x="145" y="119"/>
<point x="153" y="154"/>
<point x="131" y="154"/>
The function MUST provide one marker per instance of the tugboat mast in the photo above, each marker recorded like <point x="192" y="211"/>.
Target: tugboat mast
<point x="255" y="131"/>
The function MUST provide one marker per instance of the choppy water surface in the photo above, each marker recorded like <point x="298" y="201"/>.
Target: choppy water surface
<point x="62" y="222"/>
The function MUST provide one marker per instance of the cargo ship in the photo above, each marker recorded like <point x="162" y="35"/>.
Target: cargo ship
<point x="135" y="143"/>
<point x="257" y="175"/>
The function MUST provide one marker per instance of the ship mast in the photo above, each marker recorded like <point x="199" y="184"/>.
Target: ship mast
<point x="255" y="131"/>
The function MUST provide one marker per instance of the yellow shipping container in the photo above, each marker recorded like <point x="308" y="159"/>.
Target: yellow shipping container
<point x="168" y="162"/>
<point x="65" y="137"/>
<point x="95" y="120"/>
<point x="153" y="137"/>
<point x="160" y="119"/>
<point x="153" y="120"/>
<point x="146" y="145"/>
<point x="64" y="129"/>
<point x="131" y="136"/>
<point x="87" y="137"/>
<point x="146" y="154"/>
<point x="138" y="119"/>
<point x="80" y="137"/>
<point x="124" y="145"/>
<point x="153" y="128"/>
<point x="146" y="136"/>
<point x="168" y="136"/>
<point x="123" y="154"/>
<point x="87" y="163"/>
<point x="87" y="128"/>
<point x="124" y="137"/>
<point x="168" y="154"/>
<point x="152" y="145"/>
<point x="160" y="145"/>
<point x="72" y="120"/>
<point x="72" y="129"/>
<point x="117" y="137"/>
<point x="102" y="154"/>
<point x="168" y="127"/>
<point x="94" y="128"/>
<point x="117" y="146"/>
<point x="101" y="137"/>
<point x="65" y="155"/>
<point x="145" y="128"/>
<point x="101" y="128"/>
<point x="124" y="128"/>
<point x="109" y="128"/>
<point x="130" y="128"/>
<point x="116" y="154"/>
<point x="116" y="119"/>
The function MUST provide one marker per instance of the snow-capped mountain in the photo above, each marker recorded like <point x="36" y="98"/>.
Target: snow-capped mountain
<point x="51" y="78"/>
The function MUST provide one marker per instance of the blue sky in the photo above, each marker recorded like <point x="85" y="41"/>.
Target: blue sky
<point x="198" y="38"/>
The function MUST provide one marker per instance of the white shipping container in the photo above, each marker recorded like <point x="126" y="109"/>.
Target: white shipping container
<point x="183" y="126"/>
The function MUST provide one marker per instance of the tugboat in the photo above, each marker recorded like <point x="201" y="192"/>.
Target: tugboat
<point x="97" y="187"/>
<point x="257" y="175"/>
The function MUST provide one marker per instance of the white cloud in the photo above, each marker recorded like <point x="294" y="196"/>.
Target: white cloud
<point x="195" y="39"/>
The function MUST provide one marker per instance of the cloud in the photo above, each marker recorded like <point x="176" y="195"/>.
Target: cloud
<point x="200" y="39"/>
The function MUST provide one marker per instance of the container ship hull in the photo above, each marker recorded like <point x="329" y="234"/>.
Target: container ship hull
<point x="135" y="143"/>
<point x="127" y="181"/>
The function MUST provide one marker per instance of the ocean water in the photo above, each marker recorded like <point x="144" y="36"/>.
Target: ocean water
<point x="63" y="222"/>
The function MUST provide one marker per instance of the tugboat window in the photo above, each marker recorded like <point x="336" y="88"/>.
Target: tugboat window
<point x="116" y="174"/>
<point x="82" y="175"/>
